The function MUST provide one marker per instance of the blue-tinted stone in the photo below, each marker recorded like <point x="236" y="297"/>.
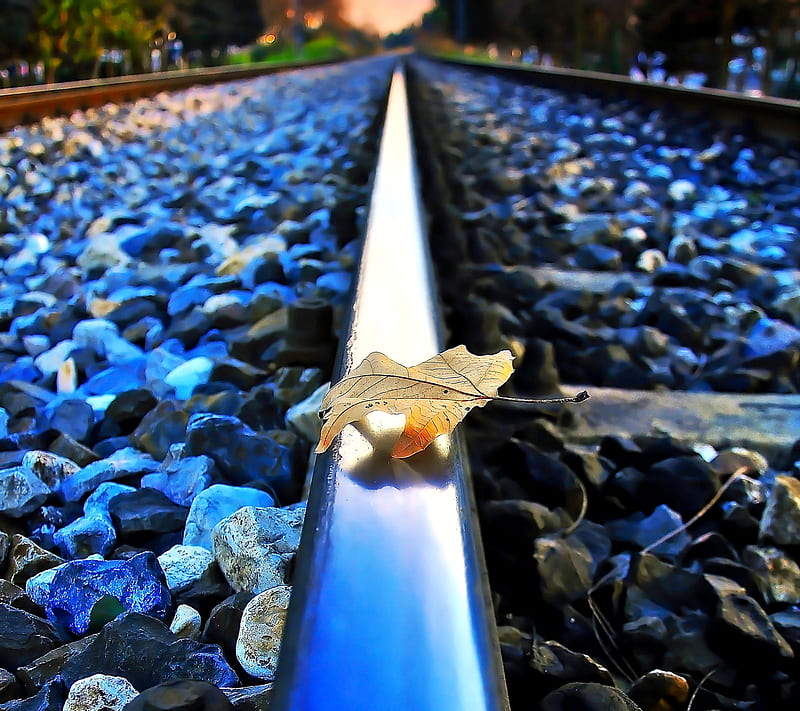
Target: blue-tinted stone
<point x="122" y="463"/>
<point x="153" y="237"/>
<point x="69" y="592"/>
<point x="101" y="497"/>
<point x="240" y="454"/>
<point x="181" y="480"/>
<point x="85" y="536"/>
<point x="21" y="492"/>
<point x="187" y="376"/>
<point x="770" y="336"/>
<point x="216" y="503"/>
<point x="117" y="379"/>
<point x="49" y="698"/>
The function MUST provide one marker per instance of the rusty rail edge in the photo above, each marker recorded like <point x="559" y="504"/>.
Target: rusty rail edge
<point x="771" y="116"/>
<point x="28" y="104"/>
<point x="391" y="606"/>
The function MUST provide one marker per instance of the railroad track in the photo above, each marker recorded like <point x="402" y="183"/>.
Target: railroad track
<point x="29" y="104"/>
<point x="423" y="643"/>
<point x="392" y="606"/>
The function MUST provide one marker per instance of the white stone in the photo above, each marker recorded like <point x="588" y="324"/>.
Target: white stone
<point x="182" y="565"/>
<point x="187" y="376"/>
<point x="260" y="632"/>
<point x="50" y="361"/>
<point x="100" y="692"/>
<point x="187" y="623"/>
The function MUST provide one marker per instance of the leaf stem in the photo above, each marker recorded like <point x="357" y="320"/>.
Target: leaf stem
<point x="580" y="397"/>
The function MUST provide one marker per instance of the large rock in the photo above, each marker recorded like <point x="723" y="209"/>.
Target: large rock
<point x="99" y="692"/>
<point x="217" y="502"/>
<point x="181" y="695"/>
<point x="142" y="650"/>
<point x="259" y="641"/>
<point x="26" y="559"/>
<point x="254" y="546"/>
<point x="578" y="696"/>
<point x="145" y="511"/>
<point x="241" y="454"/>
<point x="85" y="536"/>
<point x="184" y="565"/>
<point x="24" y="636"/>
<point x="68" y="593"/>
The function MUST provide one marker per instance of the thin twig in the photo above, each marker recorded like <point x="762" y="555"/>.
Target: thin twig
<point x="580" y="397"/>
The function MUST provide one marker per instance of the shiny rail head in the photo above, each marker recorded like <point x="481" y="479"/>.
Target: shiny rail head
<point x="391" y="608"/>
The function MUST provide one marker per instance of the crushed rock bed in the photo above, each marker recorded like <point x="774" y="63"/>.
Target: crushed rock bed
<point x="691" y="229"/>
<point x="154" y="419"/>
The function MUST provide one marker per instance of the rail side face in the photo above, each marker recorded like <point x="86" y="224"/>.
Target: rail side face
<point x="390" y="608"/>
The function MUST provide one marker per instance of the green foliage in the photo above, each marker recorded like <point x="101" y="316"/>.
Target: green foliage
<point x="74" y="31"/>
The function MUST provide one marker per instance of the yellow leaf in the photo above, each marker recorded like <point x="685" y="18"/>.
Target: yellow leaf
<point x="434" y="396"/>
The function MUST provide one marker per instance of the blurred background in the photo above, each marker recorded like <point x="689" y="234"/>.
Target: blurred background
<point x="743" y="45"/>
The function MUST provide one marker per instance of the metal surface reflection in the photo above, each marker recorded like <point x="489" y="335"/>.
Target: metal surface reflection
<point x="390" y="608"/>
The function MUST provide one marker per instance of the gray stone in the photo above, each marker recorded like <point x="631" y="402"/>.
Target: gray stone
<point x="122" y="463"/>
<point x="304" y="416"/>
<point x="776" y="574"/>
<point x="780" y="521"/>
<point x="254" y="546"/>
<point x="21" y="492"/>
<point x="212" y="505"/>
<point x="99" y="692"/>
<point x="51" y="468"/>
<point x="259" y="641"/>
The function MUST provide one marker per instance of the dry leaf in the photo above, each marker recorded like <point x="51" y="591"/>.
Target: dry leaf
<point x="434" y="396"/>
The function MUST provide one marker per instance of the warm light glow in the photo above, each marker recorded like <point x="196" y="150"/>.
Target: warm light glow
<point x="171" y="36"/>
<point x="290" y="13"/>
<point x="385" y="16"/>
<point x="266" y="39"/>
<point x="314" y="20"/>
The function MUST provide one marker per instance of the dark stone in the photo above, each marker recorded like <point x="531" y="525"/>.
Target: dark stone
<point x="72" y="417"/>
<point x="565" y="567"/>
<point x="160" y="428"/>
<point x="553" y="664"/>
<point x="742" y="633"/>
<point x="222" y="627"/>
<point x="537" y="373"/>
<point x="597" y="257"/>
<point x="69" y="595"/>
<point x="68" y="447"/>
<point x="261" y="410"/>
<point x="9" y="686"/>
<point x="128" y="408"/>
<point x="16" y="597"/>
<point x="237" y="372"/>
<point x="669" y="586"/>
<point x="181" y="695"/>
<point x="580" y="696"/>
<point x="145" y="511"/>
<point x="24" y="637"/>
<point x="243" y="455"/>
<point x="685" y="484"/>
<point x="250" y="698"/>
<point x="35" y="675"/>
<point x="143" y="650"/>
<point x="49" y="698"/>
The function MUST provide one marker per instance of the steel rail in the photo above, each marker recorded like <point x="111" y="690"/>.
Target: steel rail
<point x="771" y="116"/>
<point x="28" y="104"/>
<point x="391" y="609"/>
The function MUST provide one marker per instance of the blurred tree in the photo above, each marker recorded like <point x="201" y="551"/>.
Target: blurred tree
<point x="209" y="25"/>
<point x="16" y="29"/>
<point x="69" y="33"/>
